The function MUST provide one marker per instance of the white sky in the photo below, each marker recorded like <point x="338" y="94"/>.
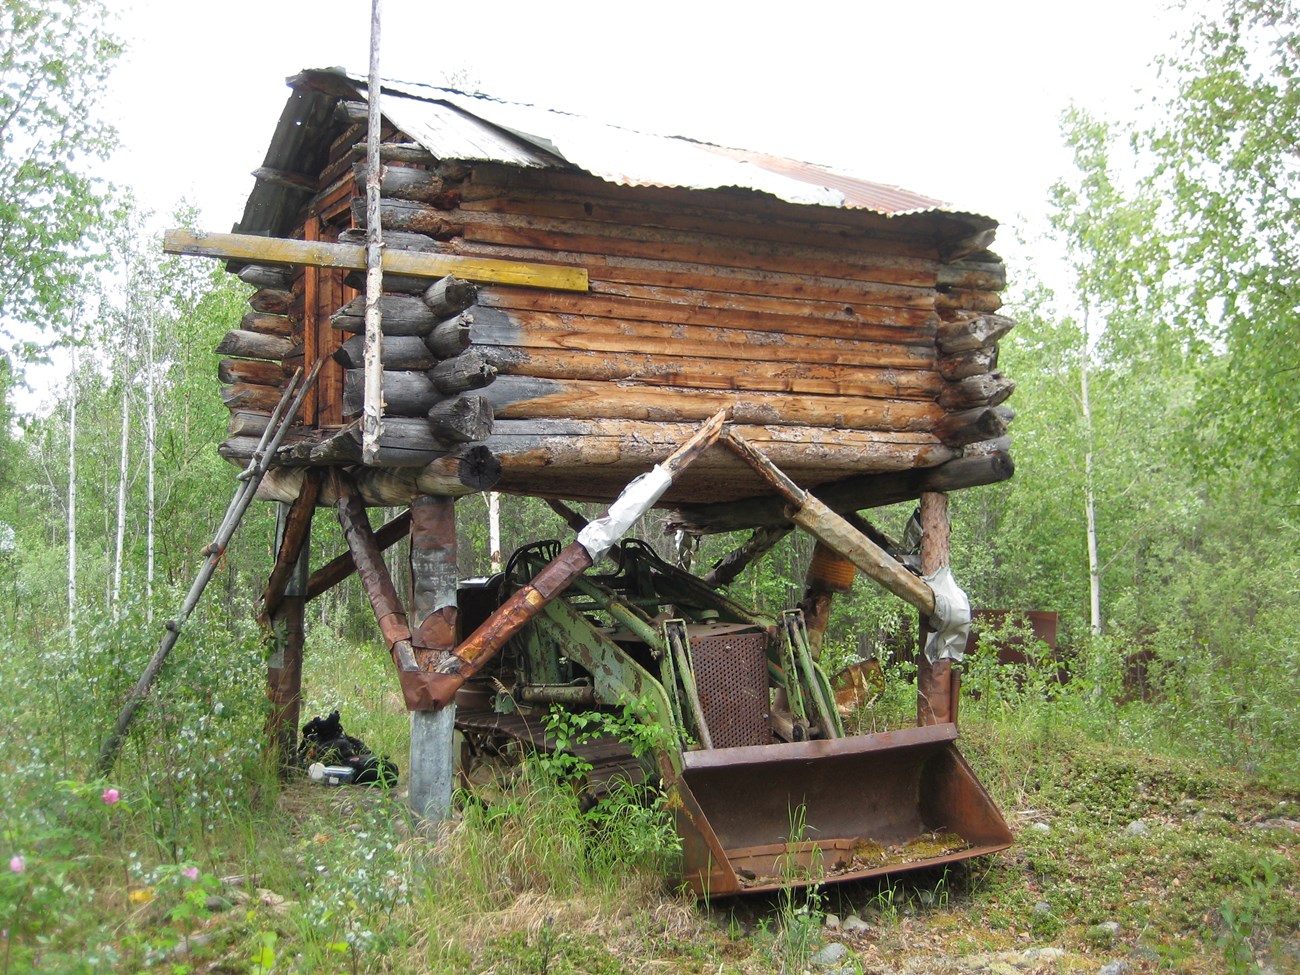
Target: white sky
<point x="956" y="100"/>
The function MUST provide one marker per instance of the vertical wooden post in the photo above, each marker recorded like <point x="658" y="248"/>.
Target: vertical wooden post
<point x="284" y="670"/>
<point x="934" y="703"/>
<point x="433" y="637"/>
<point x="372" y="411"/>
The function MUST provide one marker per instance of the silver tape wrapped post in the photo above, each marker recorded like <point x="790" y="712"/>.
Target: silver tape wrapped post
<point x="637" y="498"/>
<point x="950" y="622"/>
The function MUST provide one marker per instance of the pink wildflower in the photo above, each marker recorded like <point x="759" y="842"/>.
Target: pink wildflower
<point x="17" y="864"/>
<point x="190" y="873"/>
<point x="111" y="797"/>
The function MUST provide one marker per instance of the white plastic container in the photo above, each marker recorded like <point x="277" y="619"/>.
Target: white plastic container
<point x="331" y="774"/>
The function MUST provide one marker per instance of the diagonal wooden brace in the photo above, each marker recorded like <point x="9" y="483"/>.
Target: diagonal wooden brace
<point x="378" y="585"/>
<point x="814" y="516"/>
<point x="574" y="559"/>
<point x="295" y="534"/>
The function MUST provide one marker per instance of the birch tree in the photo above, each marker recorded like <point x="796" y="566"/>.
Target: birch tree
<point x="54" y="61"/>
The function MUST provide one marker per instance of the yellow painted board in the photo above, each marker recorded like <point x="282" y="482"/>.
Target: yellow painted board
<point x="279" y="250"/>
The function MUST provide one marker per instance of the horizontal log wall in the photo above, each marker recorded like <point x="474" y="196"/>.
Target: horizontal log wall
<point x="845" y="343"/>
<point x="260" y="353"/>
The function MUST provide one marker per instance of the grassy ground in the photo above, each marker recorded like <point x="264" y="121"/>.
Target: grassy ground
<point x="195" y="860"/>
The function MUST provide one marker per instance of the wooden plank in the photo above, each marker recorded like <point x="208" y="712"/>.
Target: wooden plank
<point x="828" y="264"/>
<point x="626" y="445"/>
<point x="276" y="250"/>
<point x="736" y="223"/>
<point x="608" y="271"/>
<point x="332" y="294"/>
<point x="714" y="235"/>
<point x="493" y="179"/>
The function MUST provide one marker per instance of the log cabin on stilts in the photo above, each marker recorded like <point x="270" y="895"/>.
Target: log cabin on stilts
<point x="567" y="306"/>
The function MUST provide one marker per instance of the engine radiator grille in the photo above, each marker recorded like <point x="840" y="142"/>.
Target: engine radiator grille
<point x="731" y="676"/>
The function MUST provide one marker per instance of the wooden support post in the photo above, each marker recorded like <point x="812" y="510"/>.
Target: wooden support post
<point x="284" y="615"/>
<point x="292" y="530"/>
<point x="935" y="703"/>
<point x="433" y="618"/>
<point x="336" y="570"/>
<point x="433" y="579"/>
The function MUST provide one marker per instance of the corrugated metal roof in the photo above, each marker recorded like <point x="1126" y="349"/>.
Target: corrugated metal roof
<point x="459" y="126"/>
<point x="487" y="128"/>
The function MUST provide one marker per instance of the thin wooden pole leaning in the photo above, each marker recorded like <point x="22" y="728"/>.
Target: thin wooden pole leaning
<point x="372" y="410"/>
<point x="276" y="428"/>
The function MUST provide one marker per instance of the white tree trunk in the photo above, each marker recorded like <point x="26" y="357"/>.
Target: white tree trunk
<point x="1094" y="567"/>
<point x="494" y="530"/>
<point x="150" y="430"/>
<point x="122" y="471"/>
<point x="72" y="507"/>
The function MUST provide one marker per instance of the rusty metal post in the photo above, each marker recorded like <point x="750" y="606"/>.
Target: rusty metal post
<point x="934" y="703"/>
<point x="433" y="636"/>
<point x="368" y="558"/>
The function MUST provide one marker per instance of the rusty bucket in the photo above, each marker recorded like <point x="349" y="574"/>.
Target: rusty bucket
<point x="764" y="817"/>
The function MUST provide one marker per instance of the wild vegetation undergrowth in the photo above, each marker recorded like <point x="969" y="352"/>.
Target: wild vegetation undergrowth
<point x="194" y="858"/>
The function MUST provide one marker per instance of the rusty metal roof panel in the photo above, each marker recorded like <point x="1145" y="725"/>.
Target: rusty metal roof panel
<point x="858" y="193"/>
<point x="455" y="125"/>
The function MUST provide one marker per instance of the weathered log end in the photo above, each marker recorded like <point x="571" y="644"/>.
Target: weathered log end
<point x="449" y="296"/>
<point x="462" y="419"/>
<point x="465" y="471"/>
<point x="461" y="374"/>
<point x="971" y="426"/>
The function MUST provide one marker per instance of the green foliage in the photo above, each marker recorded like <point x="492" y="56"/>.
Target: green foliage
<point x="800" y="913"/>
<point x="53" y="67"/>
<point x="1224" y="148"/>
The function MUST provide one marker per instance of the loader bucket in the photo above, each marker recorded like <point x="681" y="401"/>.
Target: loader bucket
<point x="764" y="817"/>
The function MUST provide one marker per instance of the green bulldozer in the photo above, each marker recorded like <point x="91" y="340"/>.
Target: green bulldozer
<point x="766" y="786"/>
